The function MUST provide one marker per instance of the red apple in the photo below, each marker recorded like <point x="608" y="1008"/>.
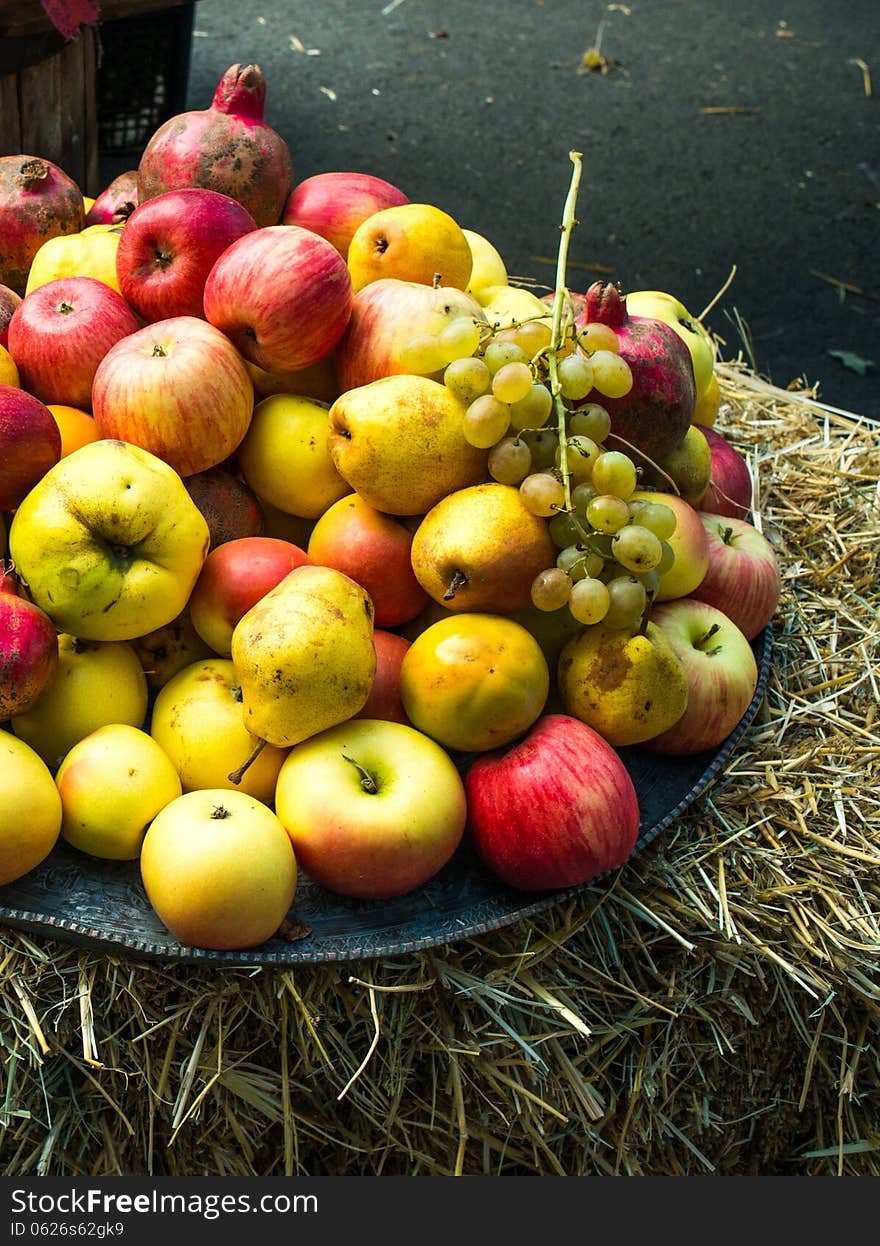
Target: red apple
<point x="230" y="507"/>
<point x="555" y="810"/>
<point x="282" y="294"/>
<point x="116" y="202"/>
<point x="384" y="700"/>
<point x="170" y="244"/>
<point x="721" y="670"/>
<point x="334" y="204"/>
<point x="177" y="388"/>
<point x="730" y="489"/>
<point x="60" y="334"/>
<point x="374" y="550"/>
<point x="743" y="578"/>
<point x="385" y="315"/>
<point x="9" y="300"/>
<point x="234" y="577"/>
<point x="30" y="443"/>
<point x="28" y="649"/>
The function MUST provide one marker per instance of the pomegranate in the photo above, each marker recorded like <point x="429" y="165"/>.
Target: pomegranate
<point x="28" y="649"/>
<point x="227" y="147"/>
<point x="38" y="201"/>
<point x="116" y="201"/>
<point x="656" y="413"/>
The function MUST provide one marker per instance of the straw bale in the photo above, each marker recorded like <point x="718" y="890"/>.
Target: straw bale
<point x="712" y="1009"/>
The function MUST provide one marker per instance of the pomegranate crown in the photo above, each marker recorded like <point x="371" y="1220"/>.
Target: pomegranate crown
<point x="605" y="303"/>
<point x="241" y="92"/>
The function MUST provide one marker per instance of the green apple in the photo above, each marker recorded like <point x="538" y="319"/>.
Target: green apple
<point x="656" y="305"/>
<point x="373" y="808"/>
<point x="112" y="784"/>
<point x="109" y="542"/>
<point x="96" y="683"/>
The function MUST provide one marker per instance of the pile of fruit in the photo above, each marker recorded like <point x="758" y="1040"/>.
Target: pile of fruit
<point x="325" y="546"/>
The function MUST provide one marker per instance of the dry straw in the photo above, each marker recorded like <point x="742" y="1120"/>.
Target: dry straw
<point x="711" y="1009"/>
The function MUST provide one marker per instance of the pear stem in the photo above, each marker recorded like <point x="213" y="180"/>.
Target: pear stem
<point x="236" y="776"/>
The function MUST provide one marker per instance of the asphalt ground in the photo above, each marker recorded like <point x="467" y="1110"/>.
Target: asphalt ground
<point x="718" y="139"/>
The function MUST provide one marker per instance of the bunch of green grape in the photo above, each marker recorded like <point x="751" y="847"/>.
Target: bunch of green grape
<point x="612" y="548"/>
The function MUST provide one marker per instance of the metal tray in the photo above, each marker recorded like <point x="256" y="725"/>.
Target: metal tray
<point x="102" y="905"/>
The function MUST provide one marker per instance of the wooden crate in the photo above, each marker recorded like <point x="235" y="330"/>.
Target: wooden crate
<point x="48" y="87"/>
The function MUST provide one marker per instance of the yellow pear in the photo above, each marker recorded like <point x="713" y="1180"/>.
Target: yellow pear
<point x="304" y="655"/>
<point x="398" y="441"/>
<point x="480" y="549"/>
<point x="505" y="305"/>
<point x="487" y="267"/>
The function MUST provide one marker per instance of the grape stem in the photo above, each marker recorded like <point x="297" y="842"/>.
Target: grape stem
<point x="569" y="221"/>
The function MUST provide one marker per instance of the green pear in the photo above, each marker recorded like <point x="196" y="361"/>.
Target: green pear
<point x="304" y="655"/>
<point x="399" y="443"/>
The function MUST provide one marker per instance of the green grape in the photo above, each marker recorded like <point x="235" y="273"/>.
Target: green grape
<point x="615" y="473"/>
<point x="582" y="454"/>
<point x="667" y="558"/>
<point x="562" y="530"/>
<point x="543" y="445"/>
<point x="627" y="601"/>
<point x="600" y="543"/>
<point x="575" y="377"/>
<point x="497" y="354"/>
<point x="607" y="513"/>
<point x="598" y="336"/>
<point x="542" y="493"/>
<point x="659" y="519"/>
<point x="459" y="339"/>
<point x="421" y="354"/>
<point x="651" y="581"/>
<point x="589" y="601"/>
<point x="591" y="421"/>
<point x="512" y="382"/>
<point x="612" y="375"/>
<point x="579" y="562"/>
<point x="636" y="548"/>
<point x="551" y="589"/>
<point x="581" y="497"/>
<point x="635" y="506"/>
<point x="533" y="410"/>
<point x="531" y="336"/>
<point x="485" y="422"/>
<point x="467" y="378"/>
<point x="510" y="460"/>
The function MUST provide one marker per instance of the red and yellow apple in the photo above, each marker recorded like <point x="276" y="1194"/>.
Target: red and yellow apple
<point x="374" y="549"/>
<point x="729" y="491"/>
<point x="335" y="204"/>
<point x="177" y="388"/>
<point x="743" y="579"/>
<point x="30" y="443"/>
<point x="689" y="544"/>
<point x="235" y="576"/>
<point x="385" y="700"/>
<point x="373" y="809"/>
<point x="28" y="649"/>
<point x="112" y="784"/>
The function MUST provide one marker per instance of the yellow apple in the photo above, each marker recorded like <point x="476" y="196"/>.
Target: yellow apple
<point x="109" y="542"/>
<point x="285" y="457"/>
<point x="219" y="869"/>
<point x="412" y="241"/>
<point x="197" y="720"/>
<point x="656" y="305"/>
<point x="96" y="684"/>
<point x="112" y="784"/>
<point x="505" y="305"/>
<point x="30" y="809"/>
<point x="487" y="266"/>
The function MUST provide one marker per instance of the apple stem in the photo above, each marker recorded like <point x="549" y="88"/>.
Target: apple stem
<point x="368" y="783"/>
<point x="727" y="536"/>
<point x="236" y="776"/>
<point x="707" y="637"/>
<point x="459" y="579"/>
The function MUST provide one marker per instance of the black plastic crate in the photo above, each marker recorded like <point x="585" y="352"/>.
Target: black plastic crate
<point x="143" y="74"/>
